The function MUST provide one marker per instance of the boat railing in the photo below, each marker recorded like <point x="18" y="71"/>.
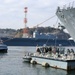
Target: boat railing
<point x="56" y="52"/>
<point x="28" y="54"/>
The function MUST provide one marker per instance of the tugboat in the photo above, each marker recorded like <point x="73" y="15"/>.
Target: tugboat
<point x="3" y="47"/>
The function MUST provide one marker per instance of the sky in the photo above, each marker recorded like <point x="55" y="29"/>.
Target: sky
<point x="12" y="12"/>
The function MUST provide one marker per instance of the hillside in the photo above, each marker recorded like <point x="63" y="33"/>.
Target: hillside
<point x="9" y="33"/>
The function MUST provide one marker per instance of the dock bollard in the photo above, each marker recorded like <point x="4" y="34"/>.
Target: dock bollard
<point x="44" y="64"/>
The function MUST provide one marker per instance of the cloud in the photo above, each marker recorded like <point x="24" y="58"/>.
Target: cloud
<point x="65" y="2"/>
<point x="12" y="12"/>
<point x="9" y="1"/>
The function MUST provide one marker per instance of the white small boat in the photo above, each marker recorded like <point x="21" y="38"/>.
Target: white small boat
<point x="27" y="58"/>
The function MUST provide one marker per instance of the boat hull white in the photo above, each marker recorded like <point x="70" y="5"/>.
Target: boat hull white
<point x="56" y="63"/>
<point x="27" y="58"/>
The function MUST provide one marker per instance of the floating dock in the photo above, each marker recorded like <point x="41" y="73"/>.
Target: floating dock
<point x="64" y="59"/>
<point x="55" y="63"/>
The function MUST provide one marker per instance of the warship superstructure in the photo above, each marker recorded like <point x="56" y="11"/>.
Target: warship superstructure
<point x="67" y="17"/>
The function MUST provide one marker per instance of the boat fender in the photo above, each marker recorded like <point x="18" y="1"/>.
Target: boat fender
<point x="44" y="64"/>
<point x="33" y="62"/>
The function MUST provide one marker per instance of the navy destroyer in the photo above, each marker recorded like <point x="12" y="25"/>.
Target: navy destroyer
<point x="67" y="17"/>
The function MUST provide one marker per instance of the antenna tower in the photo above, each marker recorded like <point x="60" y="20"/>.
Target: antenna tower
<point x="25" y="30"/>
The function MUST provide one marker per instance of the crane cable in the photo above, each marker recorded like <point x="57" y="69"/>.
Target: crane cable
<point x="45" y="20"/>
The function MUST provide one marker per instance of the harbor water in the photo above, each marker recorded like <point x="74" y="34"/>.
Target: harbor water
<point x="12" y="63"/>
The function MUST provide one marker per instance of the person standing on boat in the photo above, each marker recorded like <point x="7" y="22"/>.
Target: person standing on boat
<point x="72" y="51"/>
<point x="44" y="50"/>
<point x="72" y="54"/>
<point x="57" y="51"/>
<point x="54" y="50"/>
<point x="68" y="52"/>
<point x="38" y="50"/>
<point x="50" y="50"/>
